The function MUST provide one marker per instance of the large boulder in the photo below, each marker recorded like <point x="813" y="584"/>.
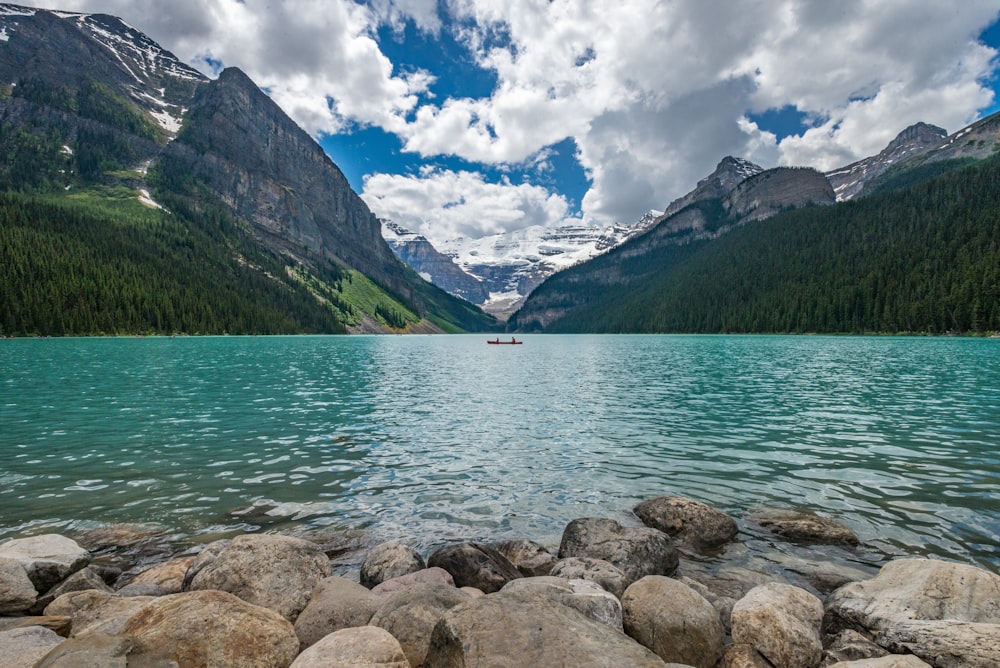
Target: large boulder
<point x="336" y="603"/>
<point x="214" y="628"/>
<point x="945" y="613"/>
<point x="101" y="650"/>
<point x="390" y="560"/>
<point x="362" y="647"/>
<point x="849" y="645"/>
<point x="530" y="558"/>
<point x="803" y="527"/>
<point x="433" y="575"/>
<point x="586" y="596"/>
<point x="411" y="614"/>
<point x="502" y="630"/>
<point x="95" y="611"/>
<point x="782" y="622"/>
<point x="48" y="559"/>
<point x="169" y="575"/>
<point x="276" y="572"/>
<point x="84" y="579"/>
<point x="687" y="520"/>
<point x="17" y="593"/>
<point x="602" y="572"/>
<point x="475" y="565"/>
<point x="23" y="647"/>
<point x="637" y="551"/>
<point x="674" y="621"/>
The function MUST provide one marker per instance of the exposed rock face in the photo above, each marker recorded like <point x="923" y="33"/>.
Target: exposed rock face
<point x="336" y="603"/>
<point x="276" y="572"/>
<point x="411" y="614"/>
<point x="776" y="190"/>
<point x="729" y="173"/>
<point x="390" y="560"/>
<point x="500" y="630"/>
<point x="850" y="181"/>
<point x="781" y="622"/>
<point x="47" y="559"/>
<point x="475" y="565"/>
<point x="433" y="265"/>
<point x="637" y="551"/>
<point x="805" y="527"/>
<point x="362" y="647"/>
<point x="528" y="556"/>
<point x="691" y="521"/>
<point x="588" y="597"/>
<point x="674" y="621"/>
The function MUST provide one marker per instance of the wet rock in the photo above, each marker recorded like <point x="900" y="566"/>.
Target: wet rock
<point x="674" y="621"/>
<point x="585" y="596"/>
<point x="276" y="572"/>
<point x="214" y="628"/>
<point x="48" y="559"/>
<point x="390" y="560"/>
<point x="687" y="520"/>
<point x="17" y="593"/>
<point x="500" y="630"/>
<point x="636" y="551"/>
<point x="782" y="622"/>
<point x="23" y="647"/>
<point x="530" y="558"/>
<point x="168" y="575"/>
<point x="803" y="527"/>
<point x="363" y="647"/>
<point x="433" y="575"/>
<point x="604" y="573"/>
<point x="411" y="614"/>
<point x="336" y="603"/>
<point x="95" y="611"/>
<point x="475" y="565"/>
<point x="105" y="651"/>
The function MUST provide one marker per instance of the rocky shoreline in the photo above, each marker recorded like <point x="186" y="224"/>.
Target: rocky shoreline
<point x="611" y="595"/>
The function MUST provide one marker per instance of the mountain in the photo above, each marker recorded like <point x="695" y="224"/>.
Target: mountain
<point x="96" y="107"/>
<point x="729" y="173"/>
<point x="433" y="266"/>
<point x="918" y="139"/>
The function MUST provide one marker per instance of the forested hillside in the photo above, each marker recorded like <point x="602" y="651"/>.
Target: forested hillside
<point x="924" y="259"/>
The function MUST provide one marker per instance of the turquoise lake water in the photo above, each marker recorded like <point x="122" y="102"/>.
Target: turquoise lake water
<point x="438" y="438"/>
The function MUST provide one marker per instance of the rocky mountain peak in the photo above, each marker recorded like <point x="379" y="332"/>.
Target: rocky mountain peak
<point x="728" y="174"/>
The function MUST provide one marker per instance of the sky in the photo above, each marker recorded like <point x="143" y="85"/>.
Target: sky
<point x="463" y="118"/>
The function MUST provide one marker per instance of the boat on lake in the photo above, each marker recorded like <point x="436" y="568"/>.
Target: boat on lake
<point x="512" y="342"/>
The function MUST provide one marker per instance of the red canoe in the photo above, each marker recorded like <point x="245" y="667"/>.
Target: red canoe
<point x="512" y="342"/>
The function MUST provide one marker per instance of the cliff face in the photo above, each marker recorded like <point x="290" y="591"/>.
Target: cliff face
<point x="729" y="173"/>
<point x="765" y="194"/>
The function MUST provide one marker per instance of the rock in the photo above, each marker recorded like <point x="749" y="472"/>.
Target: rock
<point x="530" y="558"/>
<point x="782" y="622"/>
<point x="144" y="590"/>
<point x="722" y="604"/>
<point x="363" y="647"/>
<point x="849" y="645"/>
<point x="433" y="575"/>
<point x="945" y="613"/>
<point x="214" y="628"/>
<point x="48" y="558"/>
<point x="114" y="536"/>
<point x="336" y="603"/>
<point x="276" y="572"/>
<point x="17" y="593"/>
<point x="743" y="656"/>
<point x="390" y="560"/>
<point x="411" y="614"/>
<point x="168" y="575"/>
<point x="82" y="580"/>
<point x="23" y="647"/>
<point x="604" y="573"/>
<point x="475" y="565"/>
<point x="890" y="661"/>
<point x="95" y="611"/>
<point x="674" y="621"/>
<point x="101" y="650"/>
<point x="60" y="625"/>
<point x="501" y="630"/>
<point x="693" y="522"/>
<point x="585" y="596"/>
<point x="804" y="527"/>
<point x="637" y="551"/>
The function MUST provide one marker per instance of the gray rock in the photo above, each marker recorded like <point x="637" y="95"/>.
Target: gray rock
<point x="84" y="579"/>
<point x="101" y="650"/>
<point x="674" y="621"/>
<point x="363" y="647"/>
<point x="23" y="647"/>
<point x="411" y="614"/>
<point x="213" y="628"/>
<point x="17" y="593"/>
<point x="849" y="645"/>
<point x="803" y="527"/>
<point x="500" y="630"/>
<point x="722" y="604"/>
<point x="604" y="573"/>
<point x="946" y="643"/>
<point x="95" y="611"/>
<point x="690" y="521"/>
<point x="475" y="565"/>
<point x="434" y="575"/>
<point x="782" y="622"/>
<point x="390" y="560"/>
<point x="136" y="589"/>
<point x="585" y="596"/>
<point x="890" y="661"/>
<point x="530" y="558"/>
<point x="168" y="575"/>
<point x="336" y="603"/>
<point x="60" y="625"/>
<point x="48" y="559"/>
<point x="637" y="551"/>
<point x="276" y="572"/>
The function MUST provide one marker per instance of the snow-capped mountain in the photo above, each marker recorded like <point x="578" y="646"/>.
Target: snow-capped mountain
<point x="506" y="267"/>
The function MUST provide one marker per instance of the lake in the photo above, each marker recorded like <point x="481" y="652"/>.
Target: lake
<point x="431" y="439"/>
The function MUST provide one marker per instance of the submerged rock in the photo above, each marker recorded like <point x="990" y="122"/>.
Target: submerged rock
<point x="804" y="527"/>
